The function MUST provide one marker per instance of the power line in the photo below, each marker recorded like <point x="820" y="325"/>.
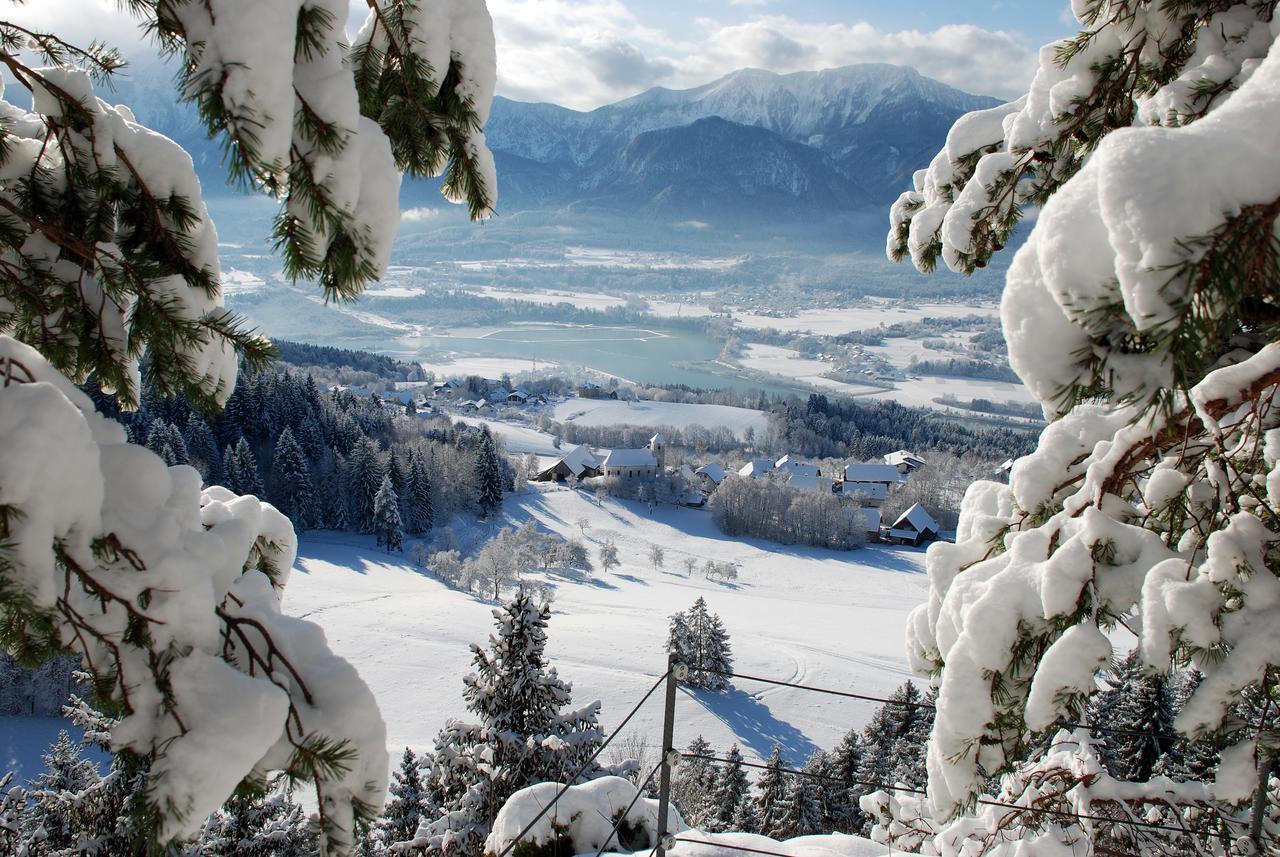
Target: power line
<point x="585" y="765"/>
<point x="826" y="690"/>
<point x="905" y="704"/>
<point x="915" y="791"/>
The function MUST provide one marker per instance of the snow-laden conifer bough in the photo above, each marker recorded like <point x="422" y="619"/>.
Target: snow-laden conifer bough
<point x="1144" y="313"/>
<point x="170" y="595"/>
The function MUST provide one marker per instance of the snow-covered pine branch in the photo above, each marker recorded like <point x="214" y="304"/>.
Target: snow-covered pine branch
<point x="1142" y="312"/>
<point x="171" y="596"/>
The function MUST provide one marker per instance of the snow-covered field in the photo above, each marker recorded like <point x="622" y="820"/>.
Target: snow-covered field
<point x="608" y="412"/>
<point x="517" y="438"/>
<point x="842" y="320"/>
<point x="585" y="300"/>
<point x="775" y="360"/>
<point x="798" y="614"/>
<point x="485" y="367"/>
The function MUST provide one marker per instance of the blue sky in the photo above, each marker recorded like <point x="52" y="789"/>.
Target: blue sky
<point x="584" y="53"/>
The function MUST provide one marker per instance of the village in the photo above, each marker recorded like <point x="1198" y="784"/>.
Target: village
<point x="670" y="473"/>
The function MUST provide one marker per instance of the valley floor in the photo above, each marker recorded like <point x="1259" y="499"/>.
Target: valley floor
<point x="802" y="615"/>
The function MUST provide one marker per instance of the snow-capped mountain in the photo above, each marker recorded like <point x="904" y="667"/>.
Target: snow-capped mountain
<point x="708" y="166"/>
<point x="876" y="123"/>
<point x="781" y="145"/>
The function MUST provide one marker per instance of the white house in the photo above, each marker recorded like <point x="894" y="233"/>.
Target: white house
<point x="809" y="482"/>
<point x="868" y="493"/>
<point x="906" y="462"/>
<point x="885" y="474"/>
<point x="914" y="527"/>
<point x="630" y="464"/>
<point x="759" y="468"/>
<point x="789" y="465"/>
<point x="711" y="474"/>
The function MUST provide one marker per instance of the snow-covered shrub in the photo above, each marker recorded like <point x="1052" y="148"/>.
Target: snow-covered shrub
<point x="585" y="816"/>
<point x="1141" y="313"/>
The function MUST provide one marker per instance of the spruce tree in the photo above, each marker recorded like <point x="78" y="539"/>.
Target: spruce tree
<point x="387" y="526"/>
<point x="203" y="449"/>
<point x="398" y="474"/>
<point x="263" y="821"/>
<point x="680" y="642"/>
<point x="745" y="818"/>
<point x="1139" y="707"/>
<point x="771" y="796"/>
<point x="523" y="732"/>
<point x="907" y="759"/>
<point x="488" y="474"/>
<point x="732" y="790"/>
<point x="422" y="512"/>
<point x="842" y="791"/>
<point x="53" y="820"/>
<point x="364" y="477"/>
<point x="404" y="806"/>
<point x="242" y="470"/>
<point x="292" y="491"/>
<point x="693" y="788"/>
<point x="803" y="812"/>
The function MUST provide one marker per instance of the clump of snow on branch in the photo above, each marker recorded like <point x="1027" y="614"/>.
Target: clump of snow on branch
<point x="330" y="126"/>
<point x="105" y="145"/>
<point x="1139" y="313"/>
<point x="172" y="598"/>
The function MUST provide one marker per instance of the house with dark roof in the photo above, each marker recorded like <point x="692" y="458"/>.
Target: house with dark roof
<point x="576" y="464"/>
<point x="914" y="527"/>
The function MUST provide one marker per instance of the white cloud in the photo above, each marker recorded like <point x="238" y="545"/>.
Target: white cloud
<point x="587" y="53"/>
<point x="418" y="215"/>
<point x="965" y="56"/>
<point x="583" y="53"/>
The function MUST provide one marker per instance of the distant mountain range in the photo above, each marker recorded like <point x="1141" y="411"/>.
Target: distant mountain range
<point x="752" y="145"/>
<point x="839" y="139"/>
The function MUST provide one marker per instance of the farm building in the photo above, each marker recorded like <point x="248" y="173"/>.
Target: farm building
<point x="914" y="527"/>
<point x="578" y="463"/>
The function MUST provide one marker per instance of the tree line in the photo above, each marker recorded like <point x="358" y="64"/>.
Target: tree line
<point x="321" y="456"/>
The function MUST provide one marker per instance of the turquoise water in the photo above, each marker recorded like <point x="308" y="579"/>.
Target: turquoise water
<point x="648" y="355"/>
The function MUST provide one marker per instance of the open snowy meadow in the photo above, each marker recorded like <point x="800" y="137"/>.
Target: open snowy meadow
<point x="802" y="615"/>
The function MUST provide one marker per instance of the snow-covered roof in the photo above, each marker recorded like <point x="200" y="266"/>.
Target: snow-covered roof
<point x="918" y="520"/>
<point x="873" y="520"/>
<point x="902" y="456"/>
<point x="809" y="482"/>
<point x="867" y="490"/>
<point x="658" y="439"/>
<point x="630" y="458"/>
<point x="793" y="465"/>
<point x="869" y="472"/>
<point x="579" y="459"/>
<point x="757" y="469"/>
<point x="712" y="471"/>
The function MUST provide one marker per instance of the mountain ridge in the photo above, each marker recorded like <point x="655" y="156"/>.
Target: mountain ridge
<point x="875" y="122"/>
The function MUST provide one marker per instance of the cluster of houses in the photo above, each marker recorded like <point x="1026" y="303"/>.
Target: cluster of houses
<point x="869" y="483"/>
<point x="493" y="396"/>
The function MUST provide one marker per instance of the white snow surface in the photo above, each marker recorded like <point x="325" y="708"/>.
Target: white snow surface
<point x="789" y="614"/>
<point x="610" y="412"/>
<point x="585" y="813"/>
